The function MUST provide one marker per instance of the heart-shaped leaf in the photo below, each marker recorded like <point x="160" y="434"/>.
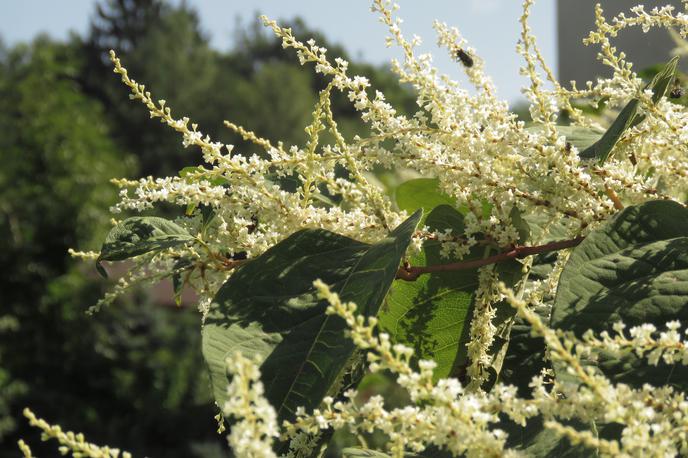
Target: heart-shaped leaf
<point x="633" y="269"/>
<point x="430" y="314"/>
<point x="270" y="309"/>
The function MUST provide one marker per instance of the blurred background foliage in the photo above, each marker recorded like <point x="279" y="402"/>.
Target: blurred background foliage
<point x="132" y="375"/>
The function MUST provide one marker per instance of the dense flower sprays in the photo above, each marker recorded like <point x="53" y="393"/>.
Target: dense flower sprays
<point x="498" y="172"/>
<point x="445" y="415"/>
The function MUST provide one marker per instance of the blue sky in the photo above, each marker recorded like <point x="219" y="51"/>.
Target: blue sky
<point x="491" y="26"/>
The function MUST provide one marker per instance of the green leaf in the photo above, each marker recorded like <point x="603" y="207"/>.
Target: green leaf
<point x="663" y="80"/>
<point x="425" y="193"/>
<point x="525" y="357"/>
<point x="422" y="193"/>
<point x="536" y="441"/>
<point x="269" y="309"/>
<point x="181" y="266"/>
<point x="628" y="117"/>
<point x="520" y="224"/>
<point x="139" y="235"/>
<point x="430" y="313"/>
<point x="509" y="272"/>
<point x="544" y="229"/>
<point x="186" y="171"/>
<point x="633" y="269"/>
<point x="207" y="215"/>
<point x="214" y="181"/>
<point x="603" y="147"/>
<point x="580" y="137"/>
<point x="355" y="452"/>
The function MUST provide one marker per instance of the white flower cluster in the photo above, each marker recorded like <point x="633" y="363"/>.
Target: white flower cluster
<point x="669" y="346"/>
<point x="69" y="442"/>
<point x="255" y="421"/>
<point x="482" y="330"/>
<point x="453" y="246"/>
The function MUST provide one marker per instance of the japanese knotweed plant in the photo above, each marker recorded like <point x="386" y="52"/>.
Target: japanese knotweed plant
<point x="497" y="287"/>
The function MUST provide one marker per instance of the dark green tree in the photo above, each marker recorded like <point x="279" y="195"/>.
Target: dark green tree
<point x="164" y="47"/>
<point x="257" y="84"/>
<point x="134" y="362"/>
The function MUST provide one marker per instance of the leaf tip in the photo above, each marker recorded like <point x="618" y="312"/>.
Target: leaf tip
<point x="101" y="270"/>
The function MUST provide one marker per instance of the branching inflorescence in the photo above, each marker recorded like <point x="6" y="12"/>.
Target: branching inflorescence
<point x="499" y="171"/>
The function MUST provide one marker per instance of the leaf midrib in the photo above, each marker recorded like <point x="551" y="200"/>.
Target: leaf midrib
<point x="315" y="340"/>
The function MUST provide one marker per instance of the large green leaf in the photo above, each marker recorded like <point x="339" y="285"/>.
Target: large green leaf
<point x="429" y="314"/>
<point x="269" y="309"/>
<point x="139" y="235"/>
<point x="633" y="269"/>
<point x="544" y="229"/>
<point x="628" y="117"/>
<point x="421" y="193"/>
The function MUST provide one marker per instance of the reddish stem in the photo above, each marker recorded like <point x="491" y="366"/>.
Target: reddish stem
<point x="411" y="273"/>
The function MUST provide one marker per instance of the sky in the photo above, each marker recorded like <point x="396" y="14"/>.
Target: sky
<point x="491" y="26"/>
